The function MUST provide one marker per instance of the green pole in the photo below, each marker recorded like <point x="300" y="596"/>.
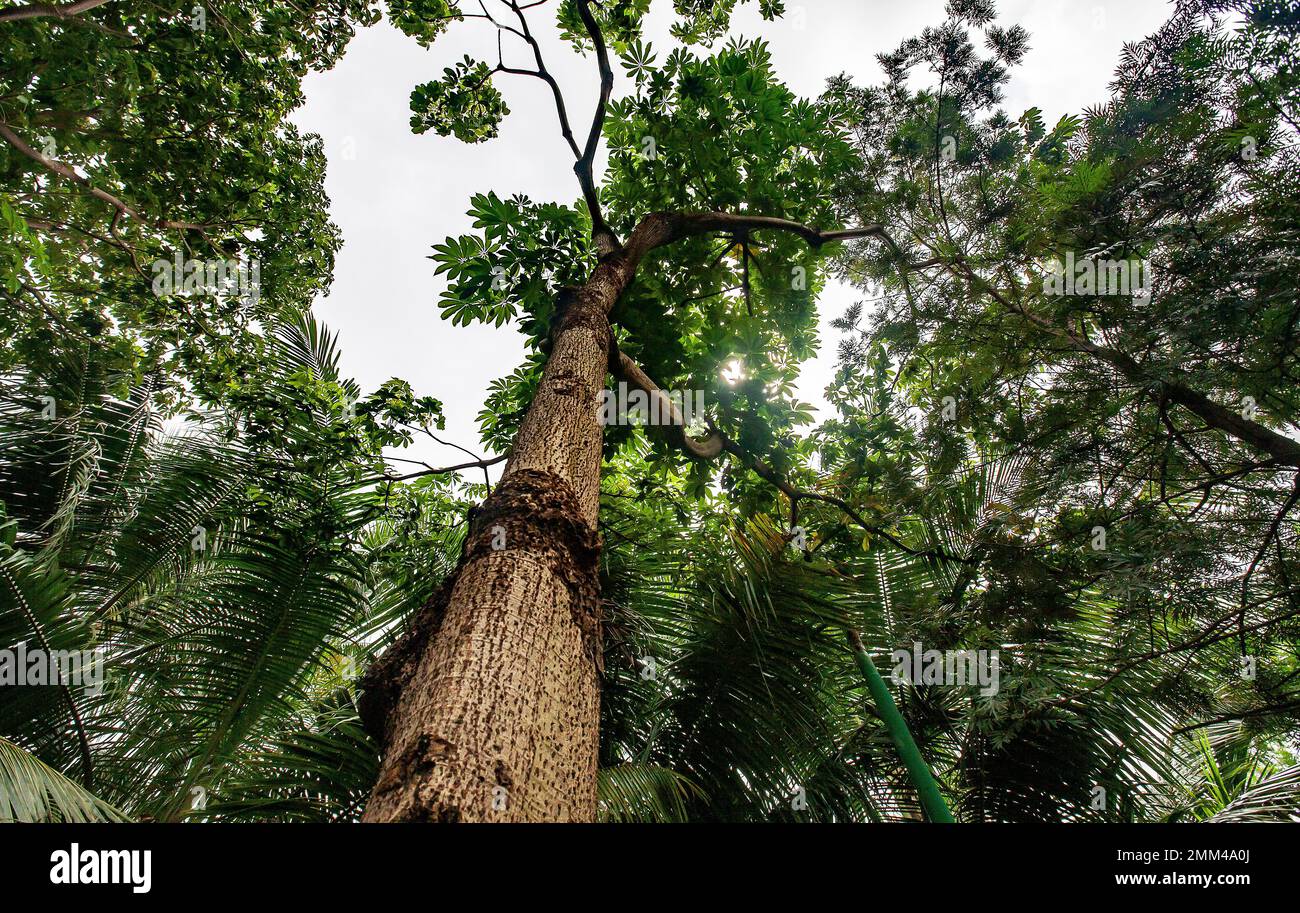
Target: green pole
<point x="936" y="810"/>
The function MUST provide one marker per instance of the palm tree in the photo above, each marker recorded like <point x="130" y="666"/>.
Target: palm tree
<point x="220" y="575"/>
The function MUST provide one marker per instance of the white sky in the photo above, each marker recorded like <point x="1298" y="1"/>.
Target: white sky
<point x="394" y="194"/>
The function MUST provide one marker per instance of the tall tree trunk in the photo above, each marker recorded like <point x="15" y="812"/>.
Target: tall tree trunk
<point x="490" y="711"/>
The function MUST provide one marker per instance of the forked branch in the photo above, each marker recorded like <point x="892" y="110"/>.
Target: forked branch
<point x="606" y="240"/>
<point x="584" y="158"/>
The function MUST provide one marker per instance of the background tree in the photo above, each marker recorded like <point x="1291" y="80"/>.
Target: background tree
<point x="1138" y="546"/>
<point x="113" y="121"/>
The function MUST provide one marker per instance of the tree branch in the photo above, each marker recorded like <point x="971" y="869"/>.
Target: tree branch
<point x="796" y="495"/>
<point x="606" y="241"/>
<point x="661" y="228"/>
<point x="708" y="449"/>
<point x="545" y="75"/>
<point x="65" y="171"/>
<point x="1279" y="446"/>
<point x="717" y="441"/>
<point x="602" y="234"/>
<point x="474" y="464"/>
<point x="1268" y="537"/>
<point x="42" y="10"/>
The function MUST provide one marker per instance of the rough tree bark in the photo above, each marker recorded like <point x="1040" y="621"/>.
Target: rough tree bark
<point x="490" y="711"/>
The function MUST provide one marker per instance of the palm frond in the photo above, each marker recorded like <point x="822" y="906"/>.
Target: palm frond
<point x="1274" y="799"/>
<point x="646" y="793"/>
<point x="33" y="792"/>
